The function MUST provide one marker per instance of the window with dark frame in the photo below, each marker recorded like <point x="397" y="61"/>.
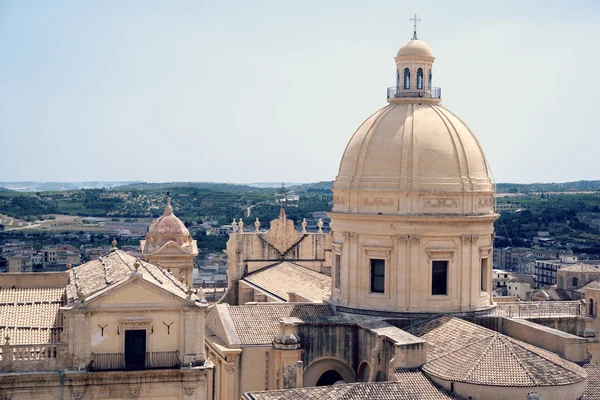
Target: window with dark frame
<point x="377" y="275"/>
<point x="338" y="260"/>
<point x="439" y="277"/>
<point x="484" y="275"/>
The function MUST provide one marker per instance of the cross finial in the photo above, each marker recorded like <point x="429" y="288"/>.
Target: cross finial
<point x="415" y="20"/>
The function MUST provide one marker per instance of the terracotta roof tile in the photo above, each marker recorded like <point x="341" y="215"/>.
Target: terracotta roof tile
<point x="592" y="391"/>
<point x="259" y="323"/>
<point x="580" y="268"/>
<point x="411" y="385"/>
<point x="286" y="277"/>
<point x="31" y="315"/>
<point x="117" y="266"/>
<point x="464" y="352"/>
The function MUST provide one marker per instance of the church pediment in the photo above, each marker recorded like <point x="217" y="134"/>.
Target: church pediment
<point x="174" y="248"/>
<point x="282" y="235"/>
<point x="135" y="292"/>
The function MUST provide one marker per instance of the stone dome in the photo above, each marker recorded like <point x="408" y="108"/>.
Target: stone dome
<point x="415" y="48"/>
<point x="414" y="147"/>
<point x="413" y="157"/>
<point x="168" y="228"/>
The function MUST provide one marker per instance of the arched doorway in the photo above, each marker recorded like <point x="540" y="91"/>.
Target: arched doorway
<point x="327" y="371"/>
<point x="329" y="377"/>
<point x="363" y="372"/>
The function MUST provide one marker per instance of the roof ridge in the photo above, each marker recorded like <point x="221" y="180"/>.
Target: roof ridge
<point x="118" y="253"/>
<point x="460" y="348"/>
<point x="524" y="346"/>
<point x="518" y="359"/>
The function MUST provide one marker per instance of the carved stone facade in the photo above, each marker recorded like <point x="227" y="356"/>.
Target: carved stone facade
<point x="249" y="252"/>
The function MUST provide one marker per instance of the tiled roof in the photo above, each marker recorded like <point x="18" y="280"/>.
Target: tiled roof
<point x="114" y="267"/>
<point x="592" y="391"/>
<point x="287" y="277"/>
<point x="533" y="309"/>
<point x="461" y="351"/>
<point x="412" y="386"/>
<point x="580" y="268"/>
<point x="557" y="294"/>
<point x="31" y="315"/>
<point x="592" y="285"/>
<point x="259" y="323"/>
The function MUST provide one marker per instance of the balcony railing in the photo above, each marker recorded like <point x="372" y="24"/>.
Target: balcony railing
<point x="116" y="361"/>
<point x="401" y="93"/>
<point x="28" y="357"/>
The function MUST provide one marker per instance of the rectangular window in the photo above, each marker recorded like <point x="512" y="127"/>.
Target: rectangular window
<point x="338" y="260"/>
<point x="377" y="275"/>
<point x="484" y="275"/>
<point x="439" y="277"/>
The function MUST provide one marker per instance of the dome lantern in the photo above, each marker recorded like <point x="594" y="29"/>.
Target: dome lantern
<point x="414" y="77"/>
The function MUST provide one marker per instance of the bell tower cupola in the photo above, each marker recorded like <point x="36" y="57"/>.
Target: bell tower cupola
<point x="414" y="75"/>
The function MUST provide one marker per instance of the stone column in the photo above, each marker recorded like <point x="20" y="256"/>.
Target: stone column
<point x="287" y="353"/>
<point x="414" y="263"/>
<point x="475" y="272"/>
<point x="403" y="278"/>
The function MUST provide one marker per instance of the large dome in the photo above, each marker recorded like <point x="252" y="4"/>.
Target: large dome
<point x="419" y="147"/>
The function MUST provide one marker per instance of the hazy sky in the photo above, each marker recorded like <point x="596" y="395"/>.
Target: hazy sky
<point x="254" y="91"/>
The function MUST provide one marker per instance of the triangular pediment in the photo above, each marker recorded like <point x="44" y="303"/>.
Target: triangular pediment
<point x="137" y="291"/>
<point x="282" y="235"/>
<point x="173" y="248"/>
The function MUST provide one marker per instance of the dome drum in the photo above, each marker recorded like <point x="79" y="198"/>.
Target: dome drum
<point x="387" y="202"/>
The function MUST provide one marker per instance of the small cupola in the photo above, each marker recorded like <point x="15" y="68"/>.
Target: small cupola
<point x="414" y="77"/>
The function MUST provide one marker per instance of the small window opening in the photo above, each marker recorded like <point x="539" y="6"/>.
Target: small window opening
<point x="484" y="275"/>
<point x="377" y="275"/>
<point x="429" y="84"/>
<point x="591" y="307"/>
<point x="420" y="78"/>
<point x="439" y="277"/>
<point x="338" y="260"/>
<point x="406" y="78"/>
<point x="574" y="281"/>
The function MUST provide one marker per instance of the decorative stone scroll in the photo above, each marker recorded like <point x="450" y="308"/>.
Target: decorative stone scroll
<point x="402" y="238"/>
<point x="468" y="239"/>
<point x="339" y="200"/>
<point x="440" y="203"/>
<point x="189" y="389"/>
<point x="485" y="202"/>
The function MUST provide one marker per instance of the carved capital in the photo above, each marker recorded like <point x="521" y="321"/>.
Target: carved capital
<point x="5" y="396"/>
<point x="230" y="369"/>
<point x="78" y="393"/>
<point x="402" y="238"/>
<point x="189" y="390"/>
<point x="133" y="391"/>
<point x="468" y="239"/>
<point x="415" y="239"/>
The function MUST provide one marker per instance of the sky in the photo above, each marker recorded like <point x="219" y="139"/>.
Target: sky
<point x="272" y="91"/>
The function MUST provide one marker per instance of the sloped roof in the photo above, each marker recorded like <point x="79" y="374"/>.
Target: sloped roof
<point x="580" y="268"/>
<point x="285" y="277"/>
<point x="592" y="285"/>
<point x="411" y="389"/>
<point x="259" y="323"/>
<point x="592" y="391"/>
<point x="117" y="266"/>
<point x="31" y="315"/>
<point x="461" y="351"/>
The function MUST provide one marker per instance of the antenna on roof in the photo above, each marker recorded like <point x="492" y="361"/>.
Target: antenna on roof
<point x="415" y="20"/>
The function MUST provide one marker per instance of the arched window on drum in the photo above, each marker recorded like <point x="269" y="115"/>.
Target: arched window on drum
<point x="406" y="78"/>
<point x="420" y="78"/>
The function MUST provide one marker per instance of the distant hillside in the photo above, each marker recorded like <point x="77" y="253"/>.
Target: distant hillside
<point x="577" y="186"/>
<point x="29" y="186"/>
<point x="221" y="187"/>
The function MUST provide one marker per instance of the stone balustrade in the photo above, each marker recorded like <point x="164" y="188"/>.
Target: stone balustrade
<point x="32" y="357"/>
